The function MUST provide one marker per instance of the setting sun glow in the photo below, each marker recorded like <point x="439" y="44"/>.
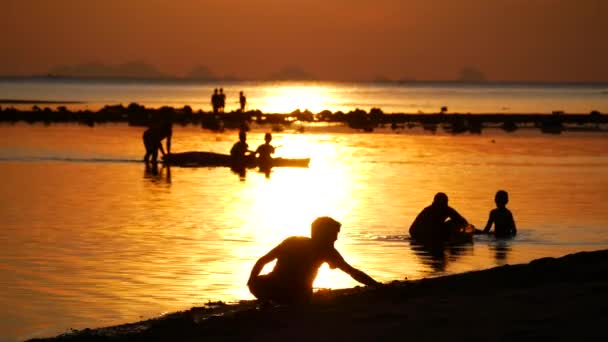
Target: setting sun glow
<point x="289" y="98"/>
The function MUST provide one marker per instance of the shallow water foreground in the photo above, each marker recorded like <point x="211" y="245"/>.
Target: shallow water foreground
<point x="549" y="298"/>
<point x="90" y="238"/>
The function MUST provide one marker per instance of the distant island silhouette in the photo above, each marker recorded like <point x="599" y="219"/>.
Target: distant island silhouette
<point x="472" y="74"/>
<point x="139" y="70"/>
<point x="292" y="73"/>
<point x="136" y="70"/>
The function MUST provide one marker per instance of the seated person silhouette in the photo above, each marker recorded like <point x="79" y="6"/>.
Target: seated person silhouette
<point x="153" y="137"/>
<point x="501" y="217"/>
<point x="240" y="148"/>
<point x="239" y="151"/>
<point x="264" y="151"/>
<point x="437" y="222"/>
<point x="298" y="261"/>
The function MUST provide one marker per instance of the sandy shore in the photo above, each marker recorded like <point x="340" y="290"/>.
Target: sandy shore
<point x="552" y="298"/>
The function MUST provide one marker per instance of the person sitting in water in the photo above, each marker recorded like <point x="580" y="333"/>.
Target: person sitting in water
<point x="240" y="149"/>
<point x="431" y="223"/>
<point x="264" y="151"/>
<point x="153" y="137"/>
<point x="501" y="217"/>
<point x="298" y="261"/>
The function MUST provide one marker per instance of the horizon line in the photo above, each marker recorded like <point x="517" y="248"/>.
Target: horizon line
<point x="236" y="80"/>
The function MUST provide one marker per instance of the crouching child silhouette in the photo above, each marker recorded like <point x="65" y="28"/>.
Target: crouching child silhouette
<point x="298" y="261"/>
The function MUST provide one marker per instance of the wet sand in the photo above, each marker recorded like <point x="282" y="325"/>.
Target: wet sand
<point x="552" y="298"/>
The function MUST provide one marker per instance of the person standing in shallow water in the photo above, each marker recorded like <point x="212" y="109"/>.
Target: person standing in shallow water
<point x="242" y="101"/>
<point x="215" y="101"/>
<point x="222" y="100"/>
<point x="298" y="261"/>
<point x="153" y="138"/>
<point x="501" y="217"/>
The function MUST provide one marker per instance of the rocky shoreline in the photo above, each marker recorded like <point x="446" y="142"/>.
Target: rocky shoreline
<point x="551" y="298"/>
<point x="138" y="115"/>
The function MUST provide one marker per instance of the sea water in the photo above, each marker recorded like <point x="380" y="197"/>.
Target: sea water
<point x="91" y="238"/>
<point x="285" y="97"/>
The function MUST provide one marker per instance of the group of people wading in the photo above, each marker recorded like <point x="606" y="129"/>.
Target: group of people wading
<point x="299" y="258"/>
<point x="218" y="101"/>
<point x="159" y="131"/>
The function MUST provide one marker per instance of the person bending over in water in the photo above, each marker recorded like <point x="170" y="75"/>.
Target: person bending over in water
<point x="298" y="261"/>
<point x="153" y="138"/>
<point x="501" y="217"/>
<point x="264" y="151"/>
<point x="431" y="223"/>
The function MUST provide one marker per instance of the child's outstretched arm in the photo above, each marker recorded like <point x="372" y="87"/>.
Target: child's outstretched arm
<point x="513" y="227"/>
<point x="490" y="223"/>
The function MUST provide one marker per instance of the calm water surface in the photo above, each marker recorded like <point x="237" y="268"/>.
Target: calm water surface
<point x="285" y="97"/>
<point x="89" y="238"/>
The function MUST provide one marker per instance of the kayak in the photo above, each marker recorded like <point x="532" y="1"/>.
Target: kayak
<point x="211" y="159"/>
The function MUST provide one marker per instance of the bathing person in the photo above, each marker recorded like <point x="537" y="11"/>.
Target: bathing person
<point x="240" y="148"/>
<point x="501" y="217"/>
<point x="298" y="261"/>
<point x="215" y="101"/>
<point x="264" y="151"/>
<point x="438" y="221"/>
<point x="153" y="138"/>
<point x="222" y="100"/>
<point x="242" y="101"/>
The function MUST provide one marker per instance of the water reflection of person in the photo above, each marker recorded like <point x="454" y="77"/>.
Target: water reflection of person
<point x="153" y="173"/>
<point x="438" y="255"/>
<point x="431" y="223"/>
<point x="298" y="261"/>
<point x="240" y="171"/>
<point x="153" y="137"/>
<point x="501" y="251"/>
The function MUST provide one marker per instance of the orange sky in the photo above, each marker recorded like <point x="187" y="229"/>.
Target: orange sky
<point x="525" y="40"/>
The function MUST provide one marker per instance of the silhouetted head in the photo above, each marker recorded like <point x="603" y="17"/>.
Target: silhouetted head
<point x="267" y="137"/>
<point x="242" y="136"/>
<point x="241" y="93"/>
<point x="440" y="199"/>
<point x="215" y="90"/>
<point x="221" y="90"/>
<point x="324" y="230"/>
<point x="501" y="198"/>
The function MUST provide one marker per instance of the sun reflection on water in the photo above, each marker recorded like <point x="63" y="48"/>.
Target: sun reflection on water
<point x="286" y="99"/>
<point x="286" y="203"/>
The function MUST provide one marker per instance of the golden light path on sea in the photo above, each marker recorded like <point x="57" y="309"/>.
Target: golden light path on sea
<point x="302" y="200"/>
<point x="285" y="99"/>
